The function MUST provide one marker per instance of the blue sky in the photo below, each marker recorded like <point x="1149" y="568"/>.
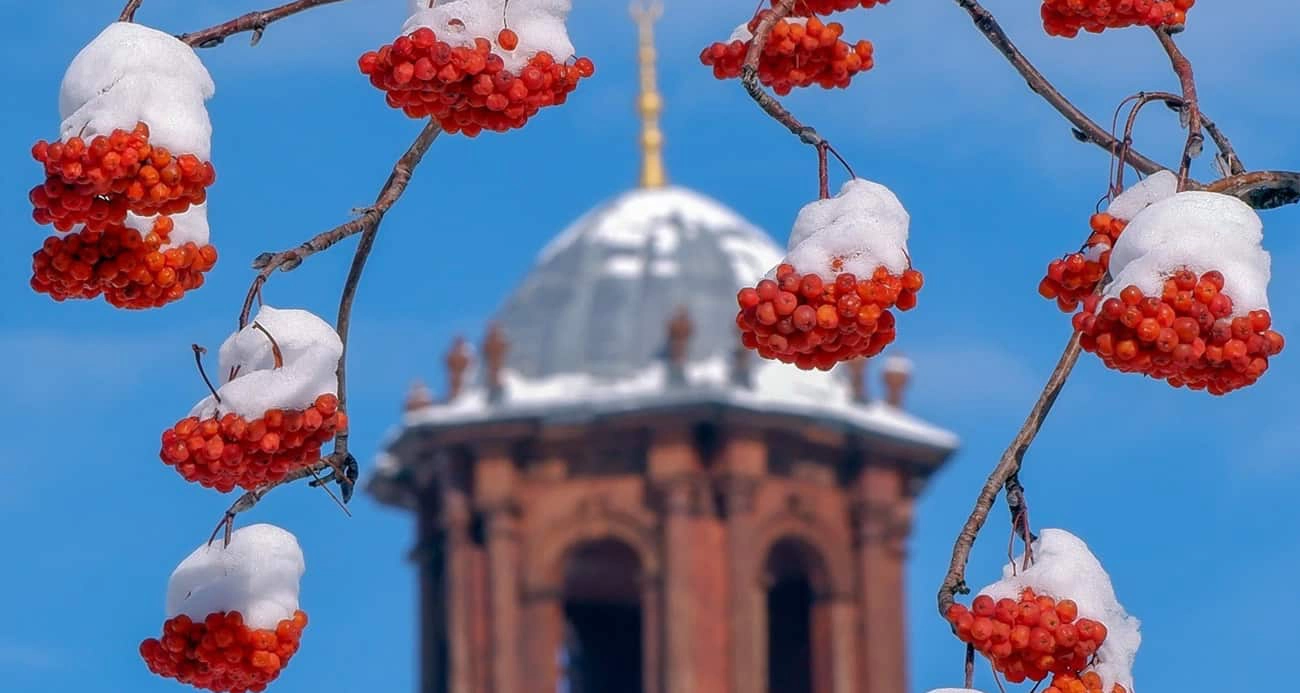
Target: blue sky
<point x="1187" y="499"/>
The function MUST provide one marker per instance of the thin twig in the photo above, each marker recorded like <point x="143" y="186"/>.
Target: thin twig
<point x="128" y="12"/>
<point x="954" y="581"/>
<point x="1085" y="128"/>
<point x="1191" y="107"/>
<point x="198" y="360"/>
<point x="823" y="176"/>
<point x="317" y="481"/>
<point x="255" y="22"/>
<point x="970" y="665"/>
<point x="393" y="188"/>
<point x="276" y="354"/>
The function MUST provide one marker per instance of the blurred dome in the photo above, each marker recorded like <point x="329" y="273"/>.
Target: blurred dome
<point x="599" y="298"/>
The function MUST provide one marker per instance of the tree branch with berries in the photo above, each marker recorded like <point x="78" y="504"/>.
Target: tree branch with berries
<point x="1171" y="283"/>
<point x="125" y="191"/>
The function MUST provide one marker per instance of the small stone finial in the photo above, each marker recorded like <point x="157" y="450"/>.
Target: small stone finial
<point x="898" y="372"/>
<point x="680" y="329"/>
<point x="418" y="397"/>
<point x="458" y="358"/>
<point x="858" y="380"/>
<point x="495" y="348"/>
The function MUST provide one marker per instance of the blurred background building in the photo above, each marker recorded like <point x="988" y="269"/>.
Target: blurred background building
<point x="612" y="496"/>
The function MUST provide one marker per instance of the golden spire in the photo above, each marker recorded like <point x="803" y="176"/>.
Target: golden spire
<point x="649" y="103"/>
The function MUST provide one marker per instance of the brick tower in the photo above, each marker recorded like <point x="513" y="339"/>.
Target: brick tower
<point x="612" y="498"/>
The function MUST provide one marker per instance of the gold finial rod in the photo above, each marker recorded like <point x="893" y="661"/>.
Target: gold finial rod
<point x="650" y="103"/>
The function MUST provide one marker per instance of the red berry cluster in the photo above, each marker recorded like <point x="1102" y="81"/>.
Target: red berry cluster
<point x="130" y="271"/>
<point x="97" y="183"/>
<point x="1089" y="682"/>
<point x="1186" y="336"/>
<point x="1029" y="639"/>
<point x="796" y="55"/>
<point x="467" y="89"/>
<point x="1075" y="277"/>
<point x="1067" y="17"/>
<point x="230" y="451"/>
<point x="808" y="8"/>
<point x="804" y="320"/>
<point x="221" y="653"/>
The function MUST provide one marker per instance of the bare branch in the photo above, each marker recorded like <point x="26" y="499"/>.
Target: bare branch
<point x="1084" y="126"/>
<point x="1008" y="467"/>
<point x="128" y="12"/>
<point x="1191" y="108"/>
<point x="393" y="188"/>
<point x="250" y="499"/>
<point x="1261" y="189"/>
<point x="255" y="22"/>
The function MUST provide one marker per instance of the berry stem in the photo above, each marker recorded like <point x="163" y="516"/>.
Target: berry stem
<point x="255" y="22"/>
<point x="1183" y="68"/>
<point x="749" y="77"/>
<point x="1008" y="466"/>
<point x="823" y="176"/>
<point x="970" y="665"/>
<point x="1085" y="128"/>
<point x="128" y="12"/>
<point x="275" y="346"/>
<point x="198" y="360"/>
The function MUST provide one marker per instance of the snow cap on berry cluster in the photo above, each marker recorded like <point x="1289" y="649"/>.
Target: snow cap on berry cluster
<point x="858" y="230"/>
<point x="1064" y="568"/>
<point x="1201" y="231"/>
<point x="310" y="349"/>
<point x="257" y="575"/>
<point x="1144" y="193"/>
<point x="131" y="74"/>
<point x="539" y="24"/>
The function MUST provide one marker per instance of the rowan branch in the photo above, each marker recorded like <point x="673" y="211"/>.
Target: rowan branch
<point x="255" y="22"/>
<point x="954" y="582"/>
<point x="1085" y="129"/>
<point x="1261" y="189"/>
<point x="128" y="12"/>
<point x="287" y="260"/>
<point x="1191" y="108"/>
<point x="749" y="77"/>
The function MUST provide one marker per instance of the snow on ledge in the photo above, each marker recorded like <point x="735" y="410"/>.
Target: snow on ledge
<point x="778" y="388"/>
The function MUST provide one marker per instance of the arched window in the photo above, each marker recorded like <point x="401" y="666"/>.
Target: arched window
<point x="602" y="652"/>
<point x="797" y="636"/>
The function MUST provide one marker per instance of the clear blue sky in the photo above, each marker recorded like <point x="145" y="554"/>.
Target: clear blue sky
<point x="1188" y="500"/>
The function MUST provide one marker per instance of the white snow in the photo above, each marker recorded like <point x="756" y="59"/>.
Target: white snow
<point x="130" y="74"/>
<point x="1064" y="568"/>
<point x="257" y="575"/>
<point x="1201" y="231"/>
<point x="540" y="25"/>
<point x="777" y="387"/>
<point x="1143" y="194"/>
<point x="864" y="226"/>
<point x="190" y="226"/>
<point x="744" y="35"/>
<point x="311" y="350"/>
<point x="643" y="219"/>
